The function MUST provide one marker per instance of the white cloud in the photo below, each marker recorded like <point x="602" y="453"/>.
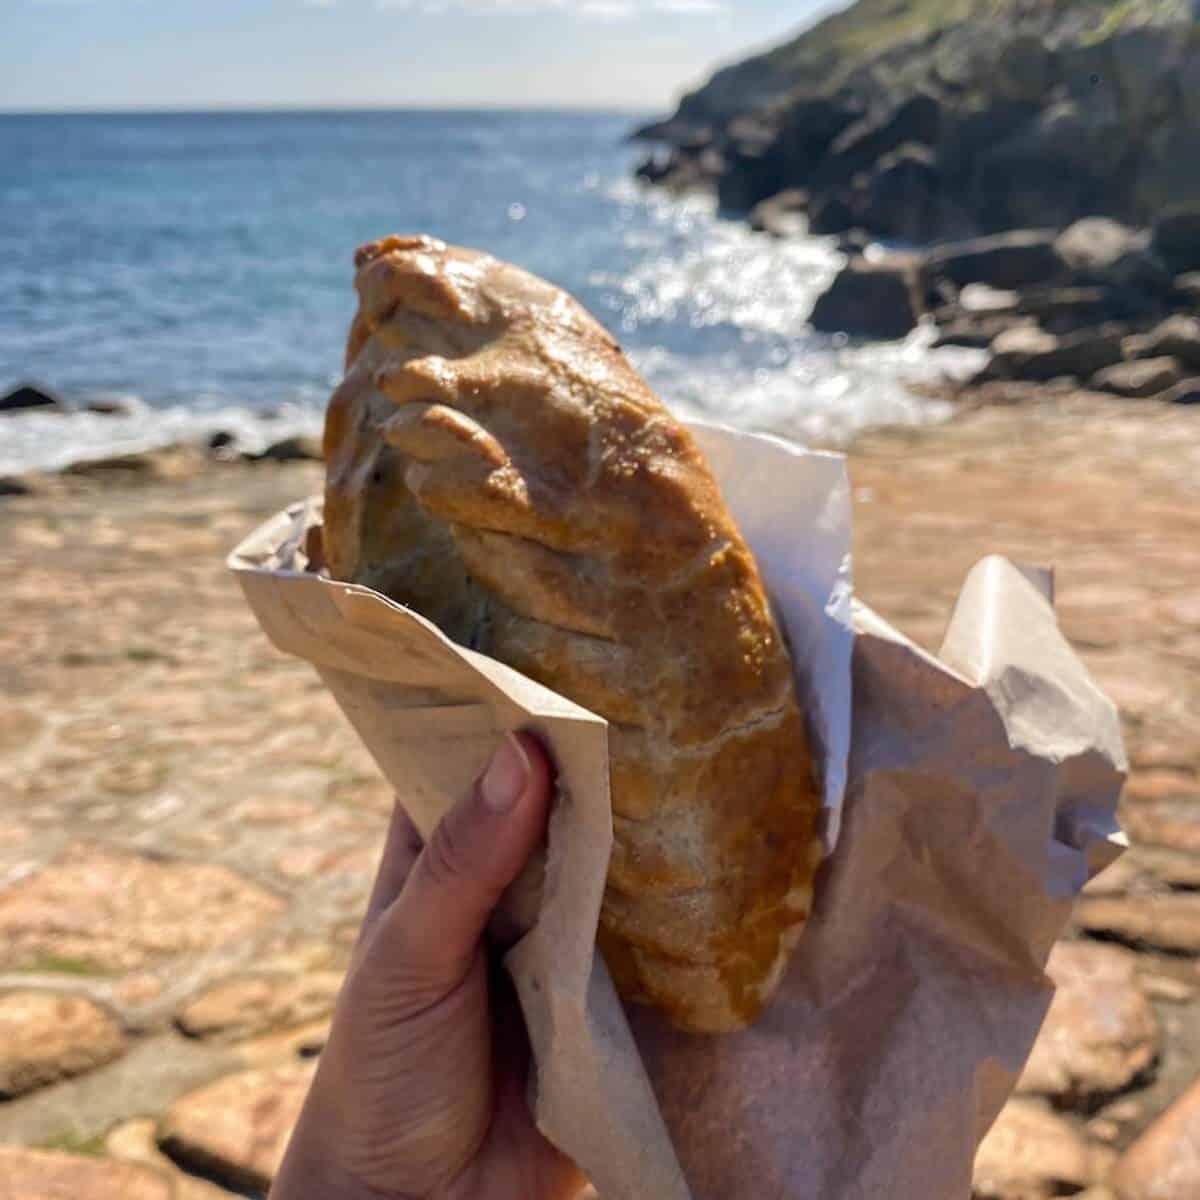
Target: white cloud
<point x="606" y="10"/>
<point x="318" y="3"/>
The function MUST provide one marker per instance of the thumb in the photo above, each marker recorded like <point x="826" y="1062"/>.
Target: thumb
<point x="432" y="930"/>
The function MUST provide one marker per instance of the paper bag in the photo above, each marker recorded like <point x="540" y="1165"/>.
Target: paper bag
<point x="979" y="791"/>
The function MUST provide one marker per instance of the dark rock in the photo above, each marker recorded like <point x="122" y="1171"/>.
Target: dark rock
<point x="752" y="174"/>
<point x="903" y="195"/>
<point x="1006" y="260"/>
<point x="875" y="299"/>
<point x="1064" y="310"/>
<point x="17" y="485"/>
<point x="1187" y="289"/>
<point x="782" y="215"/>
<point x="1028" y="352"/>
<point x="1098" y="250"/>
<point x="858" y="148"/>
<point x="1147" y="377"/>
<point x="1164" y="1163"/>
<point x="831" y="212"/>
<point x="1164" y="173"/>
<point x="1176" y="337"/>
<point x="978" y="333"/>
<point x="1176" y="239"/>
<point x="111" y="406"/>
<point x="220" y="439"/>
<point x="1060" y="167"/>
<point x="853" y="242"/>
<point x="1187" y="392"/>
<point x="1025" y="68"/>
<point x="27" y="397"/>
<point x="807" y="130"/>
<point x="300" y="448"/>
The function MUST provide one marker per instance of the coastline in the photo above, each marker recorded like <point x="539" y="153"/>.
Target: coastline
<point x="155" y="742"/>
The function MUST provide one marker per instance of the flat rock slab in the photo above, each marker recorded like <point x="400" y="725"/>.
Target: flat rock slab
<point x="1100" y="1033"/>
<point x="112" y="911"/>
<point x="1164" y="1163"/>
<point x="134" y="1141"/>
<point x="1031" y="1153"/>
<point x="46" y="1036"/>
<point x="50" y="1175"/>
<point x="249" y="1004"/>
<point x="236" y="1130"/>
<point x="1165" y="922"/>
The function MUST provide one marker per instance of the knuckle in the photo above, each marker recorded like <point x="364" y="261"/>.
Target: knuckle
<point x="448" y="856"/>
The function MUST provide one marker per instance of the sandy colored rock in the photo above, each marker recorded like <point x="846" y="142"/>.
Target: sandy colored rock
<point x="1030" y="1154"/>
<point x="1164" y="922"/>
<point x="51" y="1175"/>
<point x="46" y="1036"/>
<point x="1164" y="1163"/>
<point x="236" y="1130"/>
<point x="115" y="911"/>
<point x="1173" y="823"/>
<point x="1140" y="378"/>
<point x="250" y="1004"/>
<point x="1100" y="1033"/>
<point x="134" y="1142"/>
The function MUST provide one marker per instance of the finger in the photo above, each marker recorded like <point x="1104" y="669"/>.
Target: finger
<point x="432" y="931"/>
<point x="400" y="851"/>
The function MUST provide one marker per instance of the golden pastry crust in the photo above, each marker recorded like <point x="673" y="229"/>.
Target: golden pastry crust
<point x="496" y="464"/>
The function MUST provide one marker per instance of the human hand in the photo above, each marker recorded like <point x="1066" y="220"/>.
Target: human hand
<point x="420" y="1091"/>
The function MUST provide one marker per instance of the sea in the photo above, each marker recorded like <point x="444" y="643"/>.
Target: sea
<point x="198" y="268"/>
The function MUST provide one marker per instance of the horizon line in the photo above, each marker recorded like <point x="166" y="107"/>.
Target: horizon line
<point x="267" y="109"/>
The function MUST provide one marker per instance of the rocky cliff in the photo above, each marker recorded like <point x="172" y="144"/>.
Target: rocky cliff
<point x="927" y="119"/>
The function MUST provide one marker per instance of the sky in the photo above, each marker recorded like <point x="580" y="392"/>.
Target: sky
<point x="161" y="54"/>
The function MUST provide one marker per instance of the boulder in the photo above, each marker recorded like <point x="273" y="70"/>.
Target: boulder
<point x="982" y="300"/>
<point x="831" y="212"/>
<point x="1176" y="337"/>
<point x="299" y="448"/>
<point x="27" y="1174"/>
<point x="111" y="406"/>
<point x="1163" y="175"/>
<point x="46" y="1036"/>
<point x="244" y="1005"/>
<point x="874" y="299"/>
<point x="1100" y="1033"/>
<point x="1025" y="68"/>
<point x="1176" y="239"/>
<point x="1144" y="377"/>
<point x="1029" y="352"/>
<point x="1187" y="392"/>
<point x="1006" y="260"/>
<point x="1187" y="289"/>
<point x="1098" y="250"/>
<point x="902" y="195"/>
<point x="1066" y="309"/>
<point x="783" y="215"/>
<point x="1164" y="1162"/>
<point x="27" y="396"/>
<point x="807" y="129"/>
<point x="1031" y="1153"/>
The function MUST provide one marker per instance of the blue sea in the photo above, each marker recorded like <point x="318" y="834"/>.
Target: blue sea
<point x="199" y="266"/>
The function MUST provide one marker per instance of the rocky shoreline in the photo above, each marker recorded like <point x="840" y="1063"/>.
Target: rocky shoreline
<point x="192" y="826"/>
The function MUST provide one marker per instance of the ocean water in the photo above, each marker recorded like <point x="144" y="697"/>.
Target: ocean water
<point x="200" y="266"/>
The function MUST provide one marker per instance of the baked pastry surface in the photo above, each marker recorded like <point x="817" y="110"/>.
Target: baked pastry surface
<point x="496" y="464"/>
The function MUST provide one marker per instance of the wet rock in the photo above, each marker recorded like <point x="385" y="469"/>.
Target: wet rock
<point x="46" y="1036"/>
<point x="1176" y="239"/>
<point x="1029" y="352"/>
<point x="250" y="1004"/>
<point x="1187" y="288"/>
<point x="1187" y="392"/>
<point x="1168" y="922"/>
<point x="863" y="144"/>
<point x="1006" y="260"/>
<point x="236" y="1129"/>
<point x="1100" y="1033"/>
<point x="1164" y="1163"/>
<point x="1145" y="377"/>
<point x="19" y="485"/>
<point x="1032" y="1154"/>
<point x="100" y="909"/>
<point x="982" y="300"/>
<point x="783" y="215"/>
<point x="52" y="1175"/>
<point x="111" y="406"/>
<point x="875" y="299"/>
<point x="1176" y="337"/>
<point x="300" y="448"/>
<point x="27" y="397"/>
<point x="831" y="212"/>
<point x="222" y="444"/>
<point x="1068" y="309"/>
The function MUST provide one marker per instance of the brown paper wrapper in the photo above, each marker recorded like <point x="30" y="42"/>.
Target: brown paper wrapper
<point x="980" y="795"/>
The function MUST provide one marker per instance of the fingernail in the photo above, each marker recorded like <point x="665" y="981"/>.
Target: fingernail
<point x="506" y="776"/>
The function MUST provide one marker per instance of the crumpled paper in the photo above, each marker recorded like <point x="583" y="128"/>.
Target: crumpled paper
<point x="979" y="789"/>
